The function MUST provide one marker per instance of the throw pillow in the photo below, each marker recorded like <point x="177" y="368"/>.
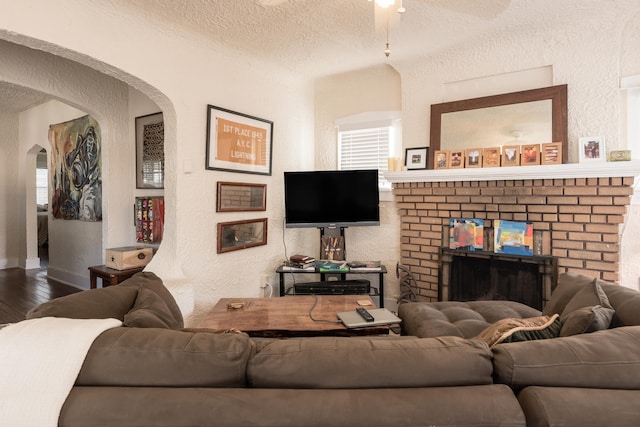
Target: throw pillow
<point x="569" y="284"/>
<point x="512" y="330"/>
<point x="587" y="319"/>
<point x="150" y="311"/>
<point x="588" y="311"/>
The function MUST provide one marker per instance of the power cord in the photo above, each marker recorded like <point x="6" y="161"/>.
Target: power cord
<point x="315" y="302"/>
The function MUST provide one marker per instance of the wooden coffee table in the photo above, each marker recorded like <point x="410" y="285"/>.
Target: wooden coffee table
<point x="289" y="316"/>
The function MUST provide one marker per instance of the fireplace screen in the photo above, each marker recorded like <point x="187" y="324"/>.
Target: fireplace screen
<point x="473" y="276"/>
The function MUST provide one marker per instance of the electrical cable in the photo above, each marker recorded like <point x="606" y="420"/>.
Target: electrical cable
<point x="315" y="302"/>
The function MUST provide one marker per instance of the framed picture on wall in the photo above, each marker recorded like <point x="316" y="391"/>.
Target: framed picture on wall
<point x="236" y="235"/>
<point x="241" y="197"/>
<point x="416" y="158"/>
<point x="238" y="142"/>
<point x="591" y="149"/>
<point x="150" y="151"/>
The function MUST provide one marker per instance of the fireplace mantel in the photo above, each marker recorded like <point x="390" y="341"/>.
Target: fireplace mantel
<point x="564" y="171"/>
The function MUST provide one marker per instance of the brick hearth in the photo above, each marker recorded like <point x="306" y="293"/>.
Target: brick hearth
<point x="581" y="219"/>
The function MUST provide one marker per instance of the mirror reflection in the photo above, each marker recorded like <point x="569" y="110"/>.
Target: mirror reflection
<point x="533" y="116"/>
<point x="523" y="123"/>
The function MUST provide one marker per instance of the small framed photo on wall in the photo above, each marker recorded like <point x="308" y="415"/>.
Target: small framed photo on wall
<point x="530" y="155"/>
<point x="456" y="159"/>
<point x="551" y="153"/>
<point x="441" y="159"/>
<point x="511" y="155"/>
<point x="491" y="157"/>
<point x="473" y="157"/>
<point x="591" y="149"/>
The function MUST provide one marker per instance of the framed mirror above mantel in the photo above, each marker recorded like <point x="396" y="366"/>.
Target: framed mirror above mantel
<point x="526" y="117"/>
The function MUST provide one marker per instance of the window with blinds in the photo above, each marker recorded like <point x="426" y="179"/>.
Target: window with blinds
<point x="365" y="149"/>
<point x="42" y="186"/>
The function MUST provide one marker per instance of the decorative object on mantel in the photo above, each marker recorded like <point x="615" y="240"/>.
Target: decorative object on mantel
<point x="551" y="153"/>
<point x="620" y="156"/>
<point x="530" y="155"/>
<point x="491" y="157"/>
<point x="456" y="159"/>
<point x="511" y="155"/>
<point x="473" y="157"/>
<point x="416" y="158"/>
<point x="441" y="159"/>
<point x="513" y="237"/>
<point x="591" y="149"/>
<point x="238" y="142"/>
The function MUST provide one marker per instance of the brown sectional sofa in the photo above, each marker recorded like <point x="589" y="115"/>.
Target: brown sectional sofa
<point x="587" y="379"/>
<point x="153" y="372"/>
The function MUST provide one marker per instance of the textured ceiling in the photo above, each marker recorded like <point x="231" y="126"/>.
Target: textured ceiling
<point x="16" y="98"/>
<point x="315" y="38"/>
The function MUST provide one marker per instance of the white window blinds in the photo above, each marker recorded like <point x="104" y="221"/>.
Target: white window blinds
<point x="365" y="149"/>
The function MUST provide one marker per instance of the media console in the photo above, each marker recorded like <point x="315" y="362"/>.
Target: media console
<point x="343" y="277"/>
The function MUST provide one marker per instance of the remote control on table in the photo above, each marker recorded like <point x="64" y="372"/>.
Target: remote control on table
<point x="365" y="314"/>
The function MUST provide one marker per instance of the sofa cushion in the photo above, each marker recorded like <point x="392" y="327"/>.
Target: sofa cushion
<point x="342" y="362"/>
<point x="148" y="280"/>
<point x="514" y="330"/>
<point x="625" y="301"/>
<point x="111" y="302"/>
<point x="150" y="357"/>
<point x="150" y="311"/>
<point x="563" y="406"/>
<point x="603" y="359"/>
<point x="568" y="285"/>
<point x="587" y="311"/>
<point x="455" y="318"/>
<point x="586" y="319"/>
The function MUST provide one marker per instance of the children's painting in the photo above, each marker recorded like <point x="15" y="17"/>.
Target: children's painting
<point x="513" y="237"/>
<point x="76" y="170"/>
<point x="466" y="233"/>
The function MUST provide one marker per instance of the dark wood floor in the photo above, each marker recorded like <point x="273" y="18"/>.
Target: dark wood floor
<point x="21" y="290"/>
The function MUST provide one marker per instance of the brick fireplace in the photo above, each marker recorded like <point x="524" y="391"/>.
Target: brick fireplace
<point x="577" y="212"/>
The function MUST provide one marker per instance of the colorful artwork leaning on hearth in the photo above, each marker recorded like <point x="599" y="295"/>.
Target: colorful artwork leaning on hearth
<point x="466" y="234"/>
<point x="513" y="237"/>
<point x="76" y="170"/>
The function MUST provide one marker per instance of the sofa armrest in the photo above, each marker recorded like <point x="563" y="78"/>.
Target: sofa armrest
<point x="605" y="359"/>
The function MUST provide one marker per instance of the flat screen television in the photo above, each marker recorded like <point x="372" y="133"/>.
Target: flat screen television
<point x="331" y="198"/>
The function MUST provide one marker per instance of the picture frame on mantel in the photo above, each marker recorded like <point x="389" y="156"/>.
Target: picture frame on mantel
<point x="238" y="142"/>
<point x="591" y="149"/>
<point x="416" y="158"/>
<point x="150" y="151"/>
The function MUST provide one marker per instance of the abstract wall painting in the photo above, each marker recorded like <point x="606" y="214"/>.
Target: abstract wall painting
<point x="76" y="170"/>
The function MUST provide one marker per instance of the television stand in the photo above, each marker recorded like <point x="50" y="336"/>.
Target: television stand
<point x="282" y="271"/>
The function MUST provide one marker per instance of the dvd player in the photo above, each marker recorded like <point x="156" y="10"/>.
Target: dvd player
<point x="333" y="287"/>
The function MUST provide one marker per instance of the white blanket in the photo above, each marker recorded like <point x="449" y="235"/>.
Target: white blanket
<point x="39" y="362"/>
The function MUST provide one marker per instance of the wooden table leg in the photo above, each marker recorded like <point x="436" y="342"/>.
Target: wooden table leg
<point x="94" y="280"/>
